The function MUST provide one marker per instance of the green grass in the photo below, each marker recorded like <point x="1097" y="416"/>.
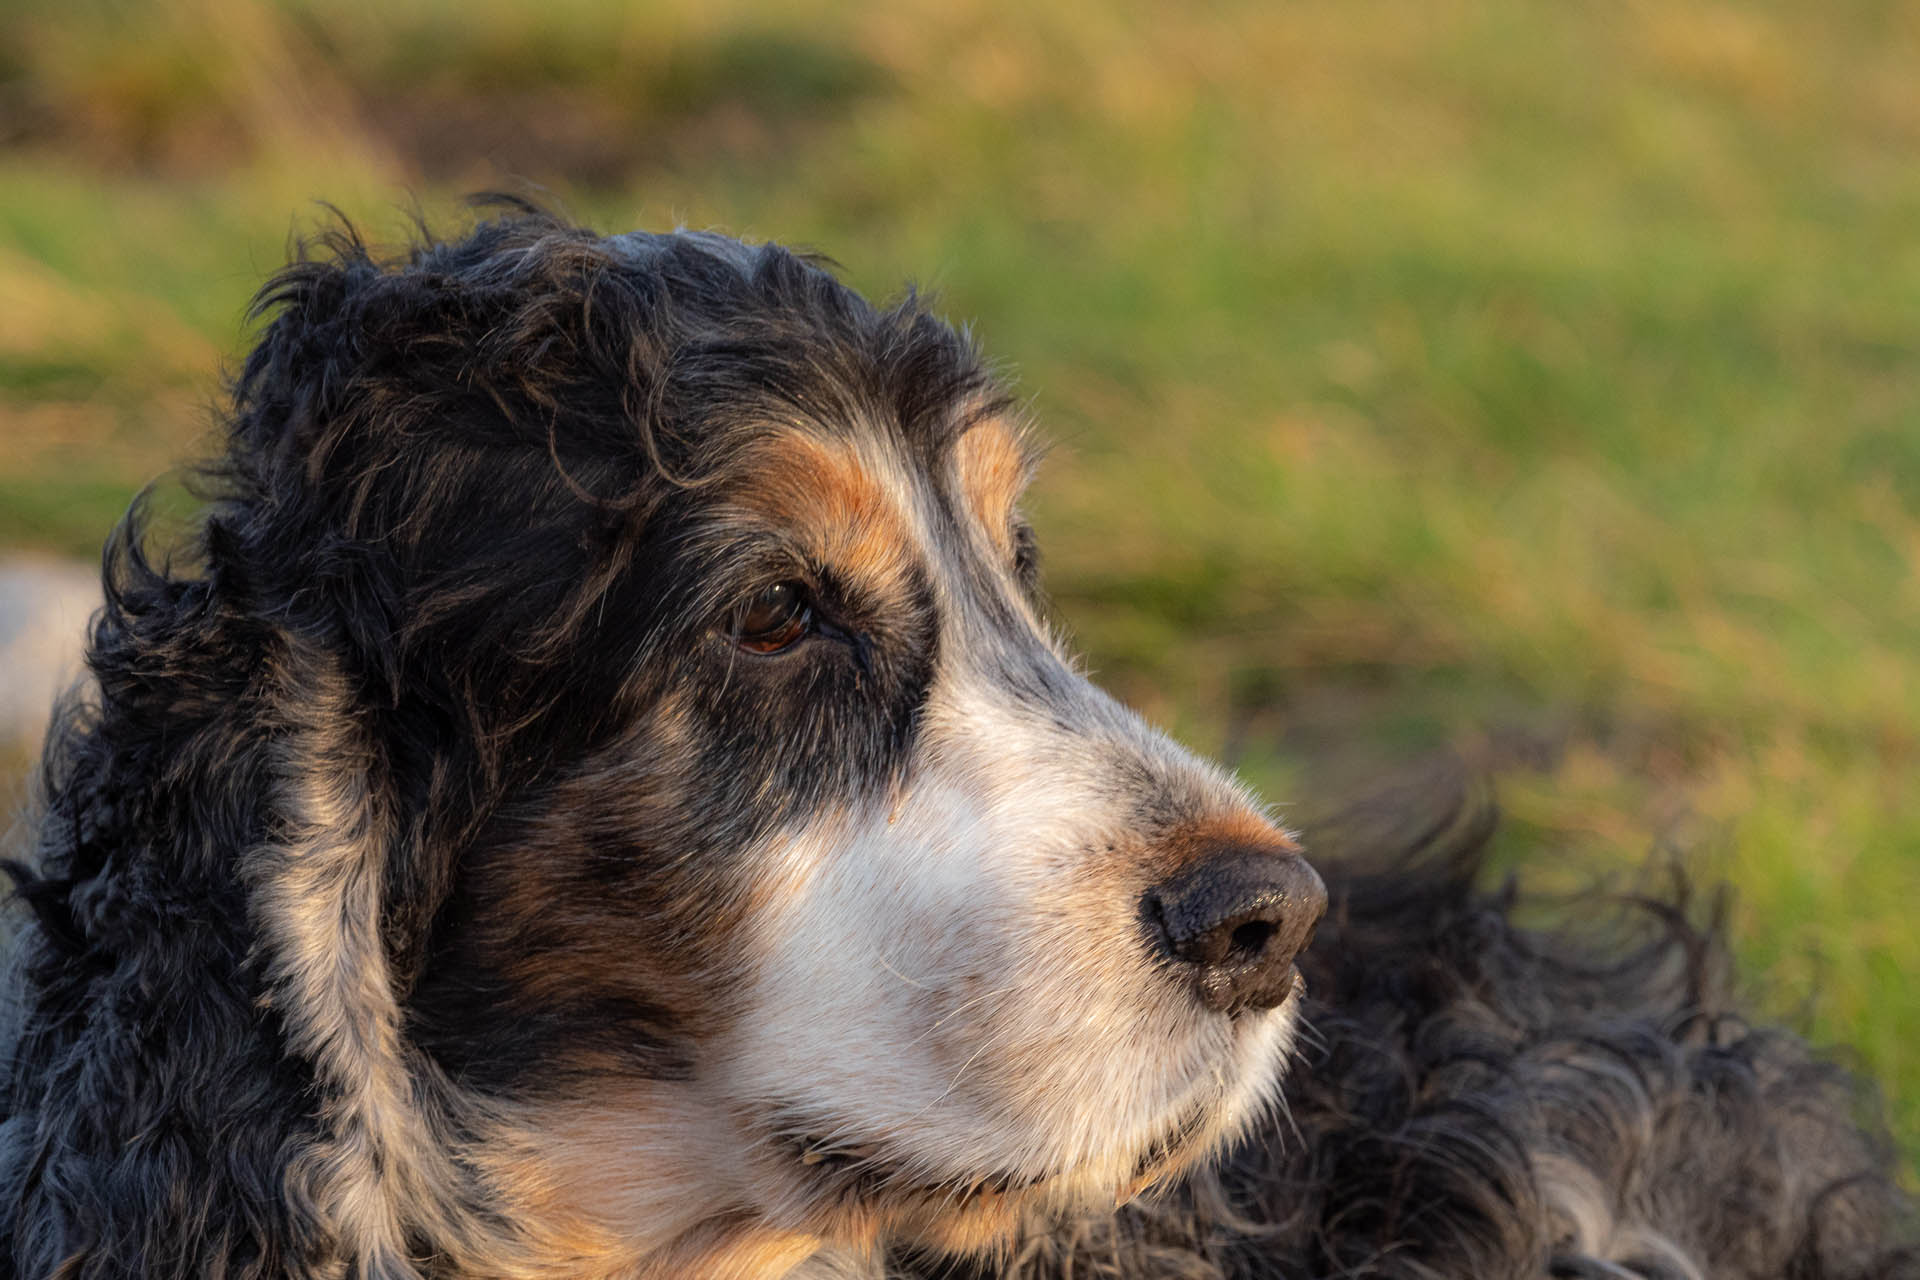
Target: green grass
<point x="1536" y="380"/>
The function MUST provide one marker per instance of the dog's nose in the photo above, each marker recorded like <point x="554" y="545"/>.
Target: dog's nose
<point x="1235" y="919"/>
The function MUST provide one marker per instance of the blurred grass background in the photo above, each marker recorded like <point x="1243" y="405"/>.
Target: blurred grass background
<point x="1531" y="380"/>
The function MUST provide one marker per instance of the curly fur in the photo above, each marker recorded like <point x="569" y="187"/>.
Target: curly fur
<point x="429" y="587"/>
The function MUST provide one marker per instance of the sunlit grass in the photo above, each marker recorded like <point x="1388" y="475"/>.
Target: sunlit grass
<point x="1424" y="374"/>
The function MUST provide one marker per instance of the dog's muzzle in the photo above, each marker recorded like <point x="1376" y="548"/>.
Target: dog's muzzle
<point x="1234" y="920"/>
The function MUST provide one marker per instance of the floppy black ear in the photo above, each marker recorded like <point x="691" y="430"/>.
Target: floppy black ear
<point x="435" y="493"/>
<point x="434" y="480"/>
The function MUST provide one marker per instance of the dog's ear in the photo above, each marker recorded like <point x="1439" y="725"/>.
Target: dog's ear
<point x="435" y="485"/>
<point x="434" y="472"/>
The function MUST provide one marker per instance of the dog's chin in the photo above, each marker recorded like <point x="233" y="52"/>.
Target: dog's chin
<point x="1218" y="1110"/>
<point x="867" y="1191"/>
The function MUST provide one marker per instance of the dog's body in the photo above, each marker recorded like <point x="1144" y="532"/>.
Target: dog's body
<point x="607" y="804"/>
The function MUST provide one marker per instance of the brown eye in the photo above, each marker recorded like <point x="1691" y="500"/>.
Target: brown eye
<point x="773" y="619"/>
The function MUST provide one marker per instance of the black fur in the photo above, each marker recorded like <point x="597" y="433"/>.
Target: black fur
<point x="470" y="486"/>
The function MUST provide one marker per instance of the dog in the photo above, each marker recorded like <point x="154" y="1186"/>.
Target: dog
<point x="598" y="795"/>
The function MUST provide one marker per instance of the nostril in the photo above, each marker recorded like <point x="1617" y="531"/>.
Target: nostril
<point x="1233" y="922"/>
<point x="1248" y="941"/>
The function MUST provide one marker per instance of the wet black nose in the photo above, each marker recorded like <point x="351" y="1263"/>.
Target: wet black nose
<point x="1235" y="919"/>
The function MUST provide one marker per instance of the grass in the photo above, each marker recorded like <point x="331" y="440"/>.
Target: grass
<point x="1531" y="380"/>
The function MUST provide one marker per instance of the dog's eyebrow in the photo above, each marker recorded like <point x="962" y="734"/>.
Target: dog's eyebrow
<point x="994" y="457"/>
<point x="822" y="492"/>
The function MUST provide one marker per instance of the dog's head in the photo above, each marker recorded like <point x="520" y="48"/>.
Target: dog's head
<point x="685" y="797"/>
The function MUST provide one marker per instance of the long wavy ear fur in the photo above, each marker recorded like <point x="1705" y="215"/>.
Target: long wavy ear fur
<point x="140" y="984"/>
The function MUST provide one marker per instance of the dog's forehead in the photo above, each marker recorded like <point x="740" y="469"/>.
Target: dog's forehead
<point x="830" y="362"/>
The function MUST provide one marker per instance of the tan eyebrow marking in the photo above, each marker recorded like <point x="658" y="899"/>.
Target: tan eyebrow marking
<point x="838" y="510"/>
<point x="993" y="461"/>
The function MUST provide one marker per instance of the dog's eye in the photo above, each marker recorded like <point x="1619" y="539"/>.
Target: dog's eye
<point x="773" y="619"/>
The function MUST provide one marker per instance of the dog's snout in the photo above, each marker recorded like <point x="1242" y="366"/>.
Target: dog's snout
<point x="1235" y="919"/>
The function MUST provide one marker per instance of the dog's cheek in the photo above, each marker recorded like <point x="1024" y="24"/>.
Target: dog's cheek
<point x="860" y="924"/>
<point x="938" y="979"/>
<point x="592" y="933"/>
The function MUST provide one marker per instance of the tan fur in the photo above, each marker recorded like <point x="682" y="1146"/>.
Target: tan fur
<point x="993" y="464"/>
<point x="624" y="1180"/>
<point x="731" y="1251"/>
<point x="832" y="502"/>
<point x="1241" y="827"/>
<point x="316" y="897"/>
